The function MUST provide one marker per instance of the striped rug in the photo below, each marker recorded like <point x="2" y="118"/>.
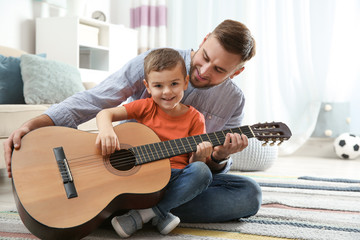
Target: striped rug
<point x="293" y="208"/>
<point x="301" y="208"/>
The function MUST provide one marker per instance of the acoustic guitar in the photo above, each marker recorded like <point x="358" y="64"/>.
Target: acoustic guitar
<point x="64" y="188"/>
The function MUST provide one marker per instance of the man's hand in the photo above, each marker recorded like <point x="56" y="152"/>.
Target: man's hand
<point x="13" y="142"/>
<point x="234" y="142"/>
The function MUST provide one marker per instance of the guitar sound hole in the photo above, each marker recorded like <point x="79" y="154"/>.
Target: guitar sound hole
<point x="122" y="160"/>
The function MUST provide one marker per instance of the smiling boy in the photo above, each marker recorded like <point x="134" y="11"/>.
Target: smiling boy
<point x="165" y="80"/>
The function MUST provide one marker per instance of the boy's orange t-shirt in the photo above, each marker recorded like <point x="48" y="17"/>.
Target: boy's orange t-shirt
<point x="167" y="127"/>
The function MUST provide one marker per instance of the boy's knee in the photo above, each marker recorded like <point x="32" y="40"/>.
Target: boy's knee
<point x="202" y="171"/>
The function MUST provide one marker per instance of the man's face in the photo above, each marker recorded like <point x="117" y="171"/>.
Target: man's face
<point x="212" y="64"/>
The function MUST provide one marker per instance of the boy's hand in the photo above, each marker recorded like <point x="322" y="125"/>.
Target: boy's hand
<point x="203" y="151"/>
<point x="107" y="142"/>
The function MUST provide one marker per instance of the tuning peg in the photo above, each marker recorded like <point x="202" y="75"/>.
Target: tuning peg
<point x="273" y="143"/>
<point x="280" y="142"/>
<point x="265" y="143"/>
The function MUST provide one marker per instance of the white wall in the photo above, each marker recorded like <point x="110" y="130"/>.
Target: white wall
<point x="17" y="27"/>
<point x="17" y="17"/>
<point x="120" y="12"/>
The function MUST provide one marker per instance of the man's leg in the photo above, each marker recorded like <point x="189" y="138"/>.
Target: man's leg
<point x="227" y="198"/>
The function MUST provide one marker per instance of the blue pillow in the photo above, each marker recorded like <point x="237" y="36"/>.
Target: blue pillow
<point x="11" y="84"/>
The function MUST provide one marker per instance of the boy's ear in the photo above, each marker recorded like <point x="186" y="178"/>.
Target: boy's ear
<point x="147" y="86"/>
<point x="186" y="82"/>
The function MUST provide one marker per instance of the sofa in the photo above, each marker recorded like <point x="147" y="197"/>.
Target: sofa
<point x="14" y="112"/>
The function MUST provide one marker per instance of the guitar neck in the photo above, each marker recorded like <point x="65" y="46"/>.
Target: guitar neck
<point x="167" y="149"/>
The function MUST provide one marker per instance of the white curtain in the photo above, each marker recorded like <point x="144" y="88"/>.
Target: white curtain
<point x="307" y="52"/>
<point x="149" y="17"/>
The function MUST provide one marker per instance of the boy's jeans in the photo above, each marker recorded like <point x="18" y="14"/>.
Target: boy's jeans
<point x="194" y="194"/>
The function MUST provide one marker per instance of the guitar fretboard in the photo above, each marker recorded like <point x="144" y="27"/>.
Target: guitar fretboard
<point x="167" y="149"/>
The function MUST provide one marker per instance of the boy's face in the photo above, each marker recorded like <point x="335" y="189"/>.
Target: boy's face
<point x="167" y="88"/>
<point x="212" y="64"/>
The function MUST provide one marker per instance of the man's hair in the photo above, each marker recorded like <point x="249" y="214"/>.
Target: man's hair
<point x="163" y="59"/>
<point x="236" y="38"/>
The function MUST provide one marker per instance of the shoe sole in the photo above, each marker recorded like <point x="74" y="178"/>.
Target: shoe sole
<point x="119" y="230"/>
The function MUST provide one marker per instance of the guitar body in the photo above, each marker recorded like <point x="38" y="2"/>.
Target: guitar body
<point x="101" y="189"/>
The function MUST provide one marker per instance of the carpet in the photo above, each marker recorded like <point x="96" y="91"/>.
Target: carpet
<point x="293" y="208"/>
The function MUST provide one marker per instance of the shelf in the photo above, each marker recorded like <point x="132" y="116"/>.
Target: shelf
<point x="97" y="48"/>
<point x="93" y="22"/>
<point x="91" y="75"/>
<point x="94" y="58"/>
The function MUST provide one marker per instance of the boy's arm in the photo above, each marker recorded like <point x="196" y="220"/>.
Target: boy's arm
<point x="198" y="127"/>
<point x="107" y="140"/>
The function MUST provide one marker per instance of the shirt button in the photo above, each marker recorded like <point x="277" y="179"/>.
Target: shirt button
<point x="209" y="117"/>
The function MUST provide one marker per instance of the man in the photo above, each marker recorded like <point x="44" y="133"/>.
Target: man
<point x="220" y="57"/>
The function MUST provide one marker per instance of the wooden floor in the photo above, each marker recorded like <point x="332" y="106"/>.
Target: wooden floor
<point x="315" y="167"/>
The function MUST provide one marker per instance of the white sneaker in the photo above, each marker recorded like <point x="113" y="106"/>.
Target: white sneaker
<point x="167" y="225"/>
<point x="127" y="224"/>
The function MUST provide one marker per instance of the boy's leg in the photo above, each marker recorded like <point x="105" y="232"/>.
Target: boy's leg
<point x="227" y="198"/>
<point x="184" y="185"/>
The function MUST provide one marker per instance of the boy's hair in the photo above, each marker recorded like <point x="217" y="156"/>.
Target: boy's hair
<point x="236" y="38"/>
<point x="163" y="59"/>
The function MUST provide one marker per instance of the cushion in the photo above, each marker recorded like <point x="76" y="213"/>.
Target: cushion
<point x="255" y="157"/>
<point x="48" y="81"/>
<point x="11" y="85"/>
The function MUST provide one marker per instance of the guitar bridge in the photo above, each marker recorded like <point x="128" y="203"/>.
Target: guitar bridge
<point x="65" y="172"/>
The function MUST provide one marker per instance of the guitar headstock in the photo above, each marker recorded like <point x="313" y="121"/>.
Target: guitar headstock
<point x="275" y="132"/>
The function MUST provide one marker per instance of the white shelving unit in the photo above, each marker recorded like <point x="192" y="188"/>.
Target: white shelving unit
<point x="97" y="48"/>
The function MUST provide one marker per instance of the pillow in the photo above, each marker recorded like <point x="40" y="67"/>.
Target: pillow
<point x="11" y="85"/>
<point x="48" y="81"/>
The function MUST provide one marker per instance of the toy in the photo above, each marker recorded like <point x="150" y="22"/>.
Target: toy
<point x="347" y="146"/>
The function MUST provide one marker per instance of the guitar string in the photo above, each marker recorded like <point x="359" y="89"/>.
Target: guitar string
<point x="158" y="153"/>
<point x="212" y="140"/>
<point x="132" y="157"/>
<point x="118" y="162"/>
<point x="121" y="161"/>
<point x="124" y="161"/>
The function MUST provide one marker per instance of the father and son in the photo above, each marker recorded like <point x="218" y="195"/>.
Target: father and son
<point x="177" y="93"/>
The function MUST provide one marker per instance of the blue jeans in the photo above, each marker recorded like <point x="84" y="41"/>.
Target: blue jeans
<point x="194" y="194"/>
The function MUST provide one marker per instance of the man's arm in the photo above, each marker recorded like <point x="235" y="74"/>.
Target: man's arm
<point x="14" y="140"/>
<point x="83" y="106"/>
<point x="111" y="92"/>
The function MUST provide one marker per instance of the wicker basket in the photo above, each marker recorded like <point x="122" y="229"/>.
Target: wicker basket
<point x="255" y="157"/>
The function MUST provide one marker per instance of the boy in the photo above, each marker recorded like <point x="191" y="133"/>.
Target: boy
<point x="165" y="80"/>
